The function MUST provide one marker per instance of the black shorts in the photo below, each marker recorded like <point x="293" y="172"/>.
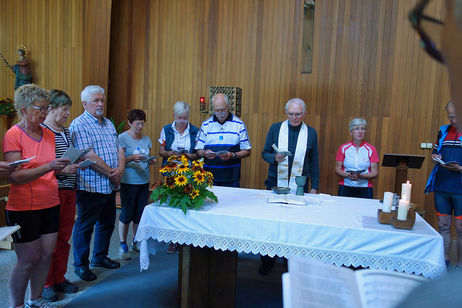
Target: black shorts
<point x="33" y="223"/>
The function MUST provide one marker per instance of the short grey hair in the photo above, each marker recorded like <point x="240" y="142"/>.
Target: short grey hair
<point x="26" y="95"/>
<point x="224" y="95"/>
<point x="181" y="108"/>
<point x="357" y="122"/>
<point x="295" y="101"/>
<point x="86" y="94"/>
<point x="448" y="104"/>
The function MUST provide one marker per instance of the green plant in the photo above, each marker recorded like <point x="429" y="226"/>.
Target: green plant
<point x="118" y="127"/>
<point x="6" y="106"/>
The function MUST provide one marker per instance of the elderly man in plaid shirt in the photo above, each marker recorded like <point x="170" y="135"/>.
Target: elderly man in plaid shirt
<point x="95" y="185"/>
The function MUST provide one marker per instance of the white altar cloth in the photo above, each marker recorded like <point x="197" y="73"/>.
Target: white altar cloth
<point x="335" y="230"/>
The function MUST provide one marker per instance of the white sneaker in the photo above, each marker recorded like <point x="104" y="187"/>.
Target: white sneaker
<point x="37" y="303"/>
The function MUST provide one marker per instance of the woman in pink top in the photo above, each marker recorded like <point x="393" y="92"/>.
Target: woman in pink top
<point x="356" y="163"/>
<point x="33" y="201"/>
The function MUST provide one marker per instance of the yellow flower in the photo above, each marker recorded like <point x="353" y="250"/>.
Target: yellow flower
<point x="199" y="163"/>
<point x="184" y="159"/>
<point x="199" y="177"/>
<point x="181" y="180"/>
<point x="194" y="193"/>
<point x="171" y="158"/>
<point x="182" y="169"/>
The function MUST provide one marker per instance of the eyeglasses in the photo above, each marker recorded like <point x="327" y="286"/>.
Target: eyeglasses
<point x="43" y="109"/>
<point x="294" y="115"/>
<point x="427" y="27"/>
<point x="139" y="124"/>
<point x="359" y="128"/>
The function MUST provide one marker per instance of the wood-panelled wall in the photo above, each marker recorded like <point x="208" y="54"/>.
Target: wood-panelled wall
<point x="366" y="63"/>
<point x="68" y="43"/>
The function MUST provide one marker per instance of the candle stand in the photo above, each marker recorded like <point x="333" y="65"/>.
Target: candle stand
<point x="390" y="218"/>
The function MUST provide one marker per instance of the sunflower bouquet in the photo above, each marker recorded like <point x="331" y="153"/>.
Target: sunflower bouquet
<point x="183" y="184"/>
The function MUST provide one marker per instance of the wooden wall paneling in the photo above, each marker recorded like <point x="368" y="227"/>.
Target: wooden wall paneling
<point x="56" y="33"/>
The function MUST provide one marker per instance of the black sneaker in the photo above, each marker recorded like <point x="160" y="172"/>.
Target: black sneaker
<point x="66" y="287"/>
<point x="49" y="294"/>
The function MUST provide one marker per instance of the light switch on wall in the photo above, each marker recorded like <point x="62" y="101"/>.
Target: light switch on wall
<point x="423" y="145"/>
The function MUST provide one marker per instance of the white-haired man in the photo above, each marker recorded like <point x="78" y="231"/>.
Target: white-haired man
<point x="223" y="141"/>
<point x="301" y="140"/>
<point x="95" y="185"/>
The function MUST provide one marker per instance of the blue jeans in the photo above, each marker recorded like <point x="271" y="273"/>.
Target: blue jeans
<point x="94" y="211"/>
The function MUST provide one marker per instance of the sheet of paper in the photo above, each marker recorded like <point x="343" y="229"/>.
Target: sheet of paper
<point x="73" y="153"/>
<point x="385" y="289"/>
<point x="6" y="231"/>
<point x="86" y="163"/>
<point x="21" y="161"/>
<point x="315" y="284"/>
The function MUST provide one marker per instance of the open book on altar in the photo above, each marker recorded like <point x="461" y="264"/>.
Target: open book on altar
<point x="286" y="199"/>
<point x="315" y="284"/>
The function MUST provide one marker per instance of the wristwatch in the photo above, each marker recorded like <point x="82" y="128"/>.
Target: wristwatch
<point x="234" y="155"/>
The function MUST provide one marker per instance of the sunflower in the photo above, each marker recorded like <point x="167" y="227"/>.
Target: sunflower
<point x="170" y="182"/>
<point x="194" y="194"/>
<point x="188" y="189"/>
<point x="173" y="158"/>
<point x="182" y="168"/>
<point x="198" y="163"/>
<point x="181" y="180"/>
<point x="184" y="159"/>
<point x="199" y="177"/>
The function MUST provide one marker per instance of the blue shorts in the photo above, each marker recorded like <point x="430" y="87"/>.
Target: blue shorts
<point x="445" y="203"/>
<point x="133" y="198"/>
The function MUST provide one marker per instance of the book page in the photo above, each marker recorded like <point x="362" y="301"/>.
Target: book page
<point x="317" y="285"/>
<point x="287" y="199"/>
<point x="385" y="289"/>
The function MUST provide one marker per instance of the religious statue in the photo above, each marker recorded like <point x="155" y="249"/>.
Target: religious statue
<point x="22" y="67"/>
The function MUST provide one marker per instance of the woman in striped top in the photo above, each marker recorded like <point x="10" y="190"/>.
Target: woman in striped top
<point x="61" y="105"/>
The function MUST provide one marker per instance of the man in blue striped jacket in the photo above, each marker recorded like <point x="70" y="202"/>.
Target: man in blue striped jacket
<point x="223" y="141"/>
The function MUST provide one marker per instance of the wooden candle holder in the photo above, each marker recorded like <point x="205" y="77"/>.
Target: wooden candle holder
<point x="407" y="224"/>
<point x="386" y="218"/>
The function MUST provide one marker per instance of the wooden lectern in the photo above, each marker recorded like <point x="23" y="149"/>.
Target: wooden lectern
<point x="402" y="162"/>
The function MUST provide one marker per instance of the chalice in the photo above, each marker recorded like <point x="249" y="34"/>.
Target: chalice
<point x="300" y="180"/>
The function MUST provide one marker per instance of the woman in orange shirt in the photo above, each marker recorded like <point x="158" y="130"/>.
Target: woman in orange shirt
<point x="33" y="201"/>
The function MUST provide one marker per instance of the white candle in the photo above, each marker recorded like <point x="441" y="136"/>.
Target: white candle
<point x="406" y="191"/>
<point x="403" y="208"/>
<point x="387" y="201"/>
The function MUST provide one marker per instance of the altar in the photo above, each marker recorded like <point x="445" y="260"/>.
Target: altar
<point x="335" y="230"/>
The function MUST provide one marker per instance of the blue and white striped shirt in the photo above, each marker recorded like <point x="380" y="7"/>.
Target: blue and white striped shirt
<point x="230" y="136"/>
<point x="87" y="132"/>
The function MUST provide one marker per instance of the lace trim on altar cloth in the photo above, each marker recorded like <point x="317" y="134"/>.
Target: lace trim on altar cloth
<point x="150" y="239"/>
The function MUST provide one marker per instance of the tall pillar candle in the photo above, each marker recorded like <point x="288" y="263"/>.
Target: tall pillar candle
<point x="406" y="191"/>
<point x="387" y="201"/>
<point x="403" y="208"/>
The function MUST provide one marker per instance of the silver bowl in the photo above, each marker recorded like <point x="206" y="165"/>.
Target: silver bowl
<point x="281" y="190"/>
